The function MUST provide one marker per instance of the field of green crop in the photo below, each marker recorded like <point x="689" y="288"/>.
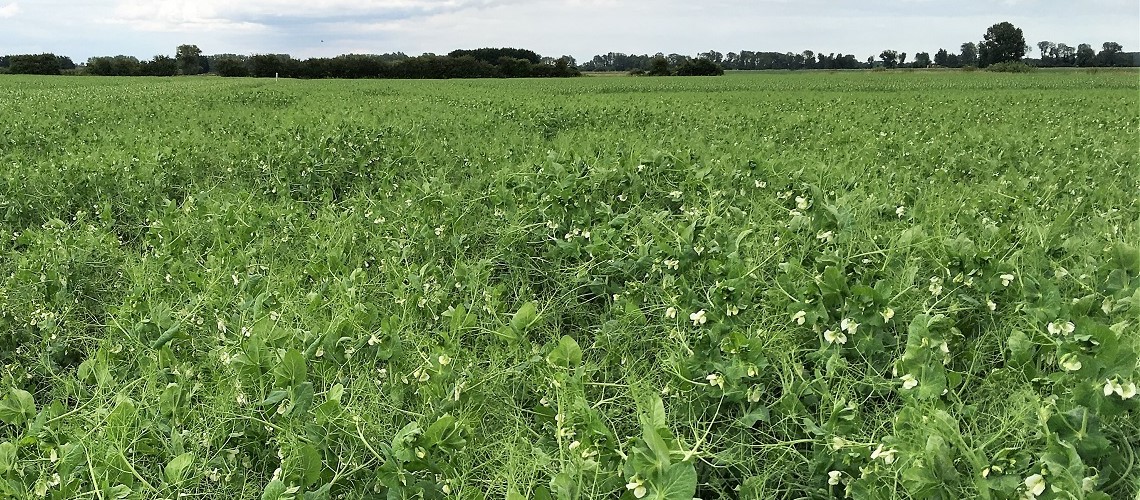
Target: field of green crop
<point x="813" y="285"/>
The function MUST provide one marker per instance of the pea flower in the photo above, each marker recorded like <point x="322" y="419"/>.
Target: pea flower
<point x="672" y="263"/>
<point x="834" y="337"/>
<point x="900" y="211"/>
<point x="849" y="325"/>
<point x="1034" y="485"/>
<point x="800" y="317"/>
<point x="802" y="203"/>
<point x="1125" y="391"/>
<point x="637" y="485"/>
<point x="909" y="382"/>
<point x="671" y="312"/>
<point x="887" y="314"/>
<point x="1058" y="328"/>
<point x="698" y="318"/>
<point x="888" y="455"/>
<point x="825" y="236"/>
<point x="1070" y="362"/>
<point x="833" y="477"/>
<point x="715" y="380"/>
<point x="1006" y="279"/>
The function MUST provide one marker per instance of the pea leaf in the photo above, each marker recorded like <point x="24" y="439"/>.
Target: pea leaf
<point x="18" y="407"/>
<point x="524" y="317"/>
<point x="566" y="354"/>
<point x="678" y="482"/>
<point x="291" y="370"/>
<point x="175" y="471"/>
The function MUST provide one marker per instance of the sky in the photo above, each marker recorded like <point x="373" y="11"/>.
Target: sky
<point x="580" y="28"/>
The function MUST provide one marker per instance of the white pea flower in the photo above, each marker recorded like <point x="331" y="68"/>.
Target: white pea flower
<point x="715" y="380"/>
<point x="887" y="314"/>
<point x="1070" y="362"/>
<point x="1006" y="279"/>
<point x="637" y="485"/>
<point x="1034" y="485"/>
<point x="888" y="456"/>
<point x="833" y="477"/>
<point x="909" y="382"/>
<point x="1124" y="390"/>
<point x="698" y="318"/>
<point x="800" y="317"/>
<point x="935" y="286"/>
<point x="825" y="236"/>
<point x="834" y="337"/>
<point x="802" y="203"/>
<point x="444" y="360"/>
<point x="849" y="325"/>
<point x="1058" y="328"/>
<point x="732" y="310"/>
<point x="672" y="263"/>
<point x="671" y="312"/>
<point x="759" y="184"/>
<point x="675" y="194"/>
<point x="991" y="304"/>
<point x="900" y="211"/>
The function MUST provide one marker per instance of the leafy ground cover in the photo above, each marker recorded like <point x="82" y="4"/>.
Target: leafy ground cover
<point x="877" y="285"/>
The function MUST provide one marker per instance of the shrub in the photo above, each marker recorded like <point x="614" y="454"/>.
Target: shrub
<point x="1010" y="67"/>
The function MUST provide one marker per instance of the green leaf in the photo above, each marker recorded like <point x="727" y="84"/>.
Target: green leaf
<point x="291" y="370"/>
<point x="18" y="407"/>
<point x="524" y="317"/>
<point x="118" y="492"/>
<point x="7" y="456"/>
<point x="512" y="494"/>
<point x="1020" y="347"/>
<point x="175" y="471"/>
<point x="678" y="482"/>
<point x="275" y="490"/>
<point x="566" y="354"/>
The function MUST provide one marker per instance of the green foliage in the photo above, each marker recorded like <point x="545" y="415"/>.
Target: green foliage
<point x="810" y="286"/>
<point x="1010" y="67"/>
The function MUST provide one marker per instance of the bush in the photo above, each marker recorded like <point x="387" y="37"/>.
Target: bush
<point x="1010" y="67"/>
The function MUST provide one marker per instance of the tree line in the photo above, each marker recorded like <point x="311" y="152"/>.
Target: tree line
<point x="1002" y="43"/>
<point x="189" y="60"/>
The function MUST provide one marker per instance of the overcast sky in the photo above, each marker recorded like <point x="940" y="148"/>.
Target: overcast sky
<point x="581" y="28"/>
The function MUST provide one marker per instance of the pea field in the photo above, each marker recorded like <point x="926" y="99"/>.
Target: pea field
<point x="779" y="285"/>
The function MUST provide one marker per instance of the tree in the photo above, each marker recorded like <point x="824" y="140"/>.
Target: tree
<point x="921" y="60"/>
<point x="1047" y="49"/>
<point x="1107" y="56"/>
<point x="230" y="66"/>
<point x="189" y="59"/>
<point x="34" y="64"/>
<point x="1003" y="42"/>
<point x="902" y="59"/>
<point x="969" y="55"/>
<point x="659" y="66"/>
<point x="942" y="57"/>
<point x="890" y="58"/>
<point x="1086" y="56"/>
<point x="1064" y="55"/>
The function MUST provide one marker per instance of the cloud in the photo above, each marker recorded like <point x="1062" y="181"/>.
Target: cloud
<point x="9" y="10"/>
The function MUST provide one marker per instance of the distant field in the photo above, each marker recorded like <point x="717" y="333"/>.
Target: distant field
<point x="791" y="285"/>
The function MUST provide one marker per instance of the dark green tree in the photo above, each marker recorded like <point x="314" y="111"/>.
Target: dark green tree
<point x="969" y="55"/>
<point x="659" y="66"/>
<point x="890" y="58"/>
<point x="1108" y="54"/>
<point x="34" y="64"/>
<point x="1003" y="42"/>
<point x="1085" y="56"/>
<point x="942" y="57"/>
<point x="189" y="59"/>
<point x="921" y="60"/>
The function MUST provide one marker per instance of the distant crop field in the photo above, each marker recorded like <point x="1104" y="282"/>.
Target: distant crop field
<point x="775" y="285"/>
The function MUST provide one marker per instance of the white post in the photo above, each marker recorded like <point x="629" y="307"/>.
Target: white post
<point x="275" y="75"/>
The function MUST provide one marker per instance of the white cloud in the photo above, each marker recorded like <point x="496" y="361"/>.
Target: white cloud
<point x="9" y="10"/>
